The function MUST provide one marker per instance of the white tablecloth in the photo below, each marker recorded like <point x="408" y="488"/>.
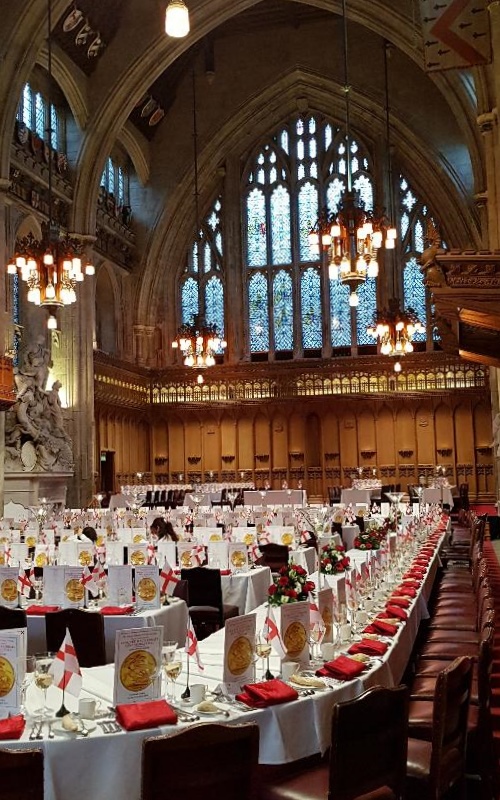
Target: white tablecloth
<point x="276" y="497"/>
<point x="349" y="533"/>
<point x="247" y="590"/>
<point x="357" y="496"/>
<point x="440" y="495"/>
<point x="173" y="618"/>
<point x="304" y="557"/>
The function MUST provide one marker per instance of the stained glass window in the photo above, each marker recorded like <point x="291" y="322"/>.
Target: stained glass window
<point x="340" y="315"/>
<point x="189" y="300"/>
<point x="366" y="310"/>
<point x="33" y="110"/>
<point x="214" y="303"/>
<point x="256" y="229"/>
<point x="310" y="308"/>
<point x="414" y="293"/>
<point x="308" y="214"/>
<point x="258" y="313"/>
<point x="283" y="311"/>
<point x="39" y="116"/>
<point x="280" y="231"/>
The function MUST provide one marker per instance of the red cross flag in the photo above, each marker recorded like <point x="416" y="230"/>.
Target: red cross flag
<point x="23" y="583"/>
<point x="169" y="579"/>
<point x="66" y="669"/>
<point x="198" y="555"/>
<point x="272" y="634"/>
<point x="191" y="646"/>
<point x="88" y="581"/>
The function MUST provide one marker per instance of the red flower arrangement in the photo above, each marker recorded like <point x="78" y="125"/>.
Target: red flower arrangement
<point x="290" y="586"/>
<point x="371" y="539"/>
<point x="334" y="559"/>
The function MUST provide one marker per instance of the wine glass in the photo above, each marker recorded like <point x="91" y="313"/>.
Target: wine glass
<point x="263" y="651"/>
<point x="168" y="661"/>
<point x="26" y="666"/>
<point x="44" y="680"/>
<point x="38" y="587"/>
<point x="316" y="636"/>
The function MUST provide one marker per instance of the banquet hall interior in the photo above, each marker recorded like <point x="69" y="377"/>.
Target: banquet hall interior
<point x="273" y="248"/>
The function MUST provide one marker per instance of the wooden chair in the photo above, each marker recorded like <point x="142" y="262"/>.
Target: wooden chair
<point x="87" y="634"/>
<point x="181" y="589"/>
<point x="374" y="724"/>
<point x="21" y="774"/>
<point x="273" y="556"/>
<point x="206" y="606"/>
<point x="210" y="761"/>
<point x="12" y="618"/>
<point x="436" y="766"/>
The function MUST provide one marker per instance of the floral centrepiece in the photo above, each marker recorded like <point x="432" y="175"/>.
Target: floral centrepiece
<point x="333" y="559"/>
<point x="371" y="538"/>
<point x="290" y="586"/>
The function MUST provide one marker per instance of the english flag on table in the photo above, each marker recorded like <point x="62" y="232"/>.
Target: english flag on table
<point x="315" y="617"/>
<point x="272" y="634"/>
<point x="169" y="579"/>
<point x="88" y="581"/>
<point x="7" y="555"/>
<point x="98" y="572"/>
<point x="24" y="584"/>
<point x="198" y="555"/>
<point x="151" y="553"/>
<point x="191" y="646"/>
<point x="66" y="669"/>
<point x="254" y="552"/>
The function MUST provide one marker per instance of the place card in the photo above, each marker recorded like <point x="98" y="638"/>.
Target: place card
<point x="294" y="627"/>
<point x="244" y="534"/>
<point x="8" y="587"/>
<point x="239" y="650"/>
<point x="326" y="600"/>
<point x="147" y="588"/>
<point x="120" y="584"/>
<point x="237" y="556"/>
<point x="138" y="554"/>
<point x="73" y="589"/>
<point x="137" y="665"/>
<point x="12" y="650"/>
<point x="212" y="534"/>
<point x="41" y="558"/>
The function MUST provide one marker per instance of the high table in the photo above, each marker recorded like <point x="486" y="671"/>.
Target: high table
<point x="82" y="768"/>
<point x="358" y="496"/>
<point x="276" y="497"/>
<point x="439" y="494"/>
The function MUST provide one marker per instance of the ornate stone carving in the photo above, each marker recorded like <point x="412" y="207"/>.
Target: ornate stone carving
<point x="35" y="438"/>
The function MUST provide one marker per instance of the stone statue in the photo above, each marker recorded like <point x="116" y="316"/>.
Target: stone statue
<point x="35" y="437"/>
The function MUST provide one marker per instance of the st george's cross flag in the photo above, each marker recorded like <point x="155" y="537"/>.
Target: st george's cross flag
<point x="66" y="669"/>
<point x="272" y="634"/>
<point x="168" y="578"/>
<point x="191" y="646"/>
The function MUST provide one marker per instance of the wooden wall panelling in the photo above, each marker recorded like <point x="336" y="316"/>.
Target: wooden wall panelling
<point x="211" y="445"/>
<point x="385" y="438"/>
<point x="280" y="443"/>
<point x="176" y="451"/>
<point x="246" y="447"/>
<point x="348" y="442"/>
<point x="262" y="438"/>
<point x="405" y="443"/>
<point x="464" y="442"/>
<point x="228" y="442"/>
<point x="367" y="440"/>
<point x="313" y="449"/>
<point x="193" y="444"/>
<point x="445" y="438"/>
<point x="483" y="452"/>
<point x="297" y="438"/>
<point x="425" y="434"/>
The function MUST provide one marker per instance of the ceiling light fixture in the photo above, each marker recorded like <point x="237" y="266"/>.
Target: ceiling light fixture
<point x="177" y="19"/>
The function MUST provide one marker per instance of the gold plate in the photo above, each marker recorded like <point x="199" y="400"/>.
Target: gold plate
<point x="240" y="655"/>
<point x="146" y="589"/>
<point x="41" y="560"/>
<point x="8" y="590"/>
<point x="238" y="559"/>
<point x="7" y="677"/>
<point x="137" y="558"/>
<point x="85" y="558"/>
<point x="215" y="537"/>
<point x="186" y="559"/>
<point x="287" y="538"/>
<point x="295" y="639"/>
<point x="74" y="590"/>
<point x="137" y="670"/>
<point x="248" y="538"/>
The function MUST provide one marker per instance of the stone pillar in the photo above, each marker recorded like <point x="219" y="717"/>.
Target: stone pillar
<point x="488" y="125"/>
<point x="235" y="300"/>
<point x="144" y="344"/>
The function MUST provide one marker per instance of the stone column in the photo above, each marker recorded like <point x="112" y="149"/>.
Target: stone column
<point x="235" y="300"/>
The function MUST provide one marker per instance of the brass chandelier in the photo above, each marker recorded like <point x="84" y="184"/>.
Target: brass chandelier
<point x="394" y="329"/>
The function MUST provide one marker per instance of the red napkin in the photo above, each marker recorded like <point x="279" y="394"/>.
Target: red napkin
<point x="33" y="611"/>
<point x="343" y="668"/>
<point x="267" y="693"/>
<point x="421" y="562"/>
<point x="12" y="727"/>
<point x="225" y="572"/>
<point x="151" y="714"/>
<point x="370" y="647"/>
<point x="405" y="590"/>
<point x="116" y="611"/>
<point x="402" y="602"/>
<point x="396" y="611"/>
<point x="379" y="626"/>
<point x="415" y="577"/>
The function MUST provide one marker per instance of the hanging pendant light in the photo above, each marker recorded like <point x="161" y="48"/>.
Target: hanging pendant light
<point x="177" y="19"/>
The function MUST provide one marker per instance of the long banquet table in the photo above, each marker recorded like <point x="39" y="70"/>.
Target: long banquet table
<point x="276" y="497"/>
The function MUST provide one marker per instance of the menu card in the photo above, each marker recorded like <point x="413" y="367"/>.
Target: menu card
<point x="295" y="631"/>
<point x="8" y="587"/>
<point x="12" y="650"/>
<point x="326" y="606"/>
<point x="218" y="555"/>
<point x="5" y="537"/>
<point x="73" y="589"/>
<point x="212" y="534"/>
<point x="147" y="588"/>
<point x="184" y="554"/>
<point x="85" y="554"/>
<point x="239" y="649"/>
<point x="53" y="585"/>
<point x="138" y="554"/>
<point x="244" y="534"/>
<point x="41" y="555"/>
<point x="30" y="538"/>
<point x="120" y="584"/>
<point x="238" y="556"/>
<point x="19" y="553"/>
<point x="137" y="665"/>
<point x="124" y="535"/>
<point x="48" y="535"/>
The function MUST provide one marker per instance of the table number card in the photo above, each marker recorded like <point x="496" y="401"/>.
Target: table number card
<point x="73" y="589"/>
<point x="120" y="584"/>
<point x="237" y="556"/>
<point x="137" y="665"/>
<point x="8" y="587"/>
<point x="295" y="632"/>
<point x="326" y="609"/>
<point x="12" y="649"/>
<point x="239" y="649"/>
<point x="147" y="588"/>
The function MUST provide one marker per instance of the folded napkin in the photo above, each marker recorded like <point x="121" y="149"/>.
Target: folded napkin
<point x="379" y="626"/>
<point x="115" y="611"/>
<point x="343" y="668"/>
<point x="370" y="647"/>
<point x="12" y="727"/>
<point x="396" y="611"/>
<point x="41" y="610"/>
<point x="225" y="572"/>
<point x="421" y="562"/>
<point x="267" y="693"/>
<point x="416" y="577"/>
<point x="151" y="714"/>
<point x="402" y="602"/>
<point x="405" y="590"/>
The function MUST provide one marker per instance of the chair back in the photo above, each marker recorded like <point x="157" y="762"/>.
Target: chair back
<point x="273" y="556"/>
<point x="184" y="764"/>
<point x="181" y="589"/>
<point x="87" y="634"/>
<point x="12" y="618"/>
<point x="21" y="774"/>
<point x="357" y="728"/>
<point x="204" y="586"/>
<point x="449" y="726"/>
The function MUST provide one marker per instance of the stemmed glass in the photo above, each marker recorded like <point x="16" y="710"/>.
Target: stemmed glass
<point x="44" y="680"/>
<point x="38" y="587"/>
<point x="316" y="636"/>
<point x="172" y="665"/>
<point x="25" y="673"/>
<point x="263" y="651"/>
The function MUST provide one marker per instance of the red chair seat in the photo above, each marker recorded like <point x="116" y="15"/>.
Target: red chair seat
<point x="447" y="635"/>
<point x="449" y="650"/>
<point x="309" y="785"/>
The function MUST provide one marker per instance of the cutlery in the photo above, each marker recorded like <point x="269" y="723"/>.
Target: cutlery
<point x="82" y="730"/>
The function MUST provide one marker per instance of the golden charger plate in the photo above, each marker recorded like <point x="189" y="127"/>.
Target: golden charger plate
<point x="137" y="558"/>
<point x="215" y="537"/>
<point x="8" y="590"/>
<point x="240" y="655"/>
<point x="327" y="619"/>
<point x="248" y="538"/>
<point x="74" y="590"/>
<point x="85" y="558"/>
<point x="238" y="559"/>
<point x="137" y="538"/>
<point x="287" y="538"/>
<point x="295" y="639"/>
<point x="41" y="560"/>
<point x="30" y="541"/>
<point x="146" y="589"/>
<point x="7" y="677"/>
<point x="186" y="559"/>
<point x="137" y="670"/>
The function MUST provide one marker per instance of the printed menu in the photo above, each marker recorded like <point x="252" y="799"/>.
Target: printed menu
<point x="138" y="665"/>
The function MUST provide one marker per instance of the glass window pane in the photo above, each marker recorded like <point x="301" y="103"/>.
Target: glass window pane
<point x="27" y="105"/>
<point x="340" y="311"/>
<point x="283" y="311"/>
<point x="308" y="207"/>
<point x="300" y="150"/>
<point x="207" y="257"/>
<point x="333" y="195"/>
<point x="366" y="310"/>
<point x="214" y="305"/>
<point x="280" y="226"/>
<point x="258" y="313"/>
<point x="121" y="186"/>
<point x="313" y="150"/>
<point x="363" y="185"/>
<point x="189" y="300"/>
<point x="39" y="116"/>
<point x="414" y="294"/>
<point x="256" y="229"/>
<point x="55" y="133"/>
<point x="310" y="303"/>
<point x="284" y="141"/>
<point x="328" y="136"/>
